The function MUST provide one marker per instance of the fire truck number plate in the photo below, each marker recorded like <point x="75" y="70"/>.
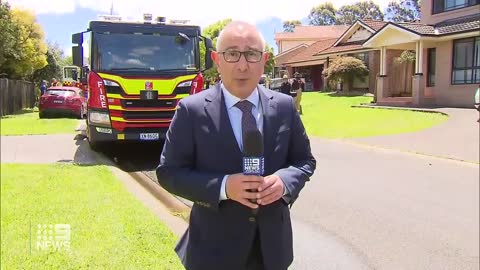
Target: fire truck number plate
<point x="148" y="94"/>
<point x="149" y="136"/>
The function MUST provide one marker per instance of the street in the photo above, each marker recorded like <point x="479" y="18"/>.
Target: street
<point x="382" y="209"/>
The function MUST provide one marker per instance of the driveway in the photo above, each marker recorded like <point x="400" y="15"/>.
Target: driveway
<point x="46" y="149"/>
<point x="457" y="138"/>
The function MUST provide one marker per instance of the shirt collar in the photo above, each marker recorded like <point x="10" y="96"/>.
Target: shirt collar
<point x="231" y="100"/>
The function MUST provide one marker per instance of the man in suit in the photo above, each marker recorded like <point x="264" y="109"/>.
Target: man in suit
<point x="237" y="221"/>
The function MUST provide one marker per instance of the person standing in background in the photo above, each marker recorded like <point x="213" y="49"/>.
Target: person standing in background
<point x="43" y="87"/>
<point x="286" y="87"/>
<point x="298" y="86"/>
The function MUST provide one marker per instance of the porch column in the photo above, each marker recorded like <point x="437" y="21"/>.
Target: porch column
<point x="382" y="77"/>
<point x="418" y="80"/>
<point x="383" y="59"/>
<point x="325" y="81"/>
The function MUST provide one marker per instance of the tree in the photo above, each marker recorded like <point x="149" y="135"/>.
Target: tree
<point x="345" y="69"/>
<point x="348" y="14"/>
<point x="269" y="66"/>
<point x="8" y="40"/>
<point x="54" y="67"/>
<point x="403" y="11"/>
<point x="30" y="48"/>
<point x="405" y="57"/>
<point x="323" y="14"/>
<point x="289" y="26"/>
<point x="66" y="61"/>
<point x="212" y="31"/>
<point x="51" y="70"/>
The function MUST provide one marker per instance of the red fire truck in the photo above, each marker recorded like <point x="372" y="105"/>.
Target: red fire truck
<point x="135" y="75"/>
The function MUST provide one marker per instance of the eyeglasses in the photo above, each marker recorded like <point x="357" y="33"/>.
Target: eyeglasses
<point x="232" y="56"/>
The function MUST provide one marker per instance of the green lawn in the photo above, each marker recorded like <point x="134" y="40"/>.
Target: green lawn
<point x="28" y="123"/>
<point x="330" y="116"/>
<point x="110" y="229"/>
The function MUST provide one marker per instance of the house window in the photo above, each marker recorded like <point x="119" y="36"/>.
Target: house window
<point x="431" y="67"/>
<point x="362" y="56"/>
<point x="466" y="61"/>
<point x="447" y="5"/>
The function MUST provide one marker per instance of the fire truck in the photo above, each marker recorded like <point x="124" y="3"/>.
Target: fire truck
<point x="70" y="76"/>
<point x="136" y="74"/>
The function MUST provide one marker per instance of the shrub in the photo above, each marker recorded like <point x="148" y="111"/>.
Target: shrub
<point x="345" y="69"/>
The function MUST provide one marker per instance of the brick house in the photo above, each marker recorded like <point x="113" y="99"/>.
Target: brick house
<point x="312" y="61"/>
<point x="290" y="44"/>
<point x="449" y="29"/>
<point x="447" y="48"/>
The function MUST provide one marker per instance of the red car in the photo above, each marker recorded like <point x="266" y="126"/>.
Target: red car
<point x="63" y="99"/>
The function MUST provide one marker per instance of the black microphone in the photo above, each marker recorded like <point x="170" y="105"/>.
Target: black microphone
<point x="253" y="161"/>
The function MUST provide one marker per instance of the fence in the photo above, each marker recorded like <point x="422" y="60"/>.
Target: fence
<point x="15" y="96"/>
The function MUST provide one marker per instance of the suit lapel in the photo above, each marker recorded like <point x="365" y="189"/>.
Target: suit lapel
<point x="269" y="106"/>
<point x="216" y="109"/>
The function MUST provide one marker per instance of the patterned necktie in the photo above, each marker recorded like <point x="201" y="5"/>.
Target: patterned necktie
<point x="249" y="124"/>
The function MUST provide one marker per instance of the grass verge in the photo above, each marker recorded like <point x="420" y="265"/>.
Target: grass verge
<point x="110" y="229"/>
<point x="331" y="116"/>
<point x="27" y="122"/>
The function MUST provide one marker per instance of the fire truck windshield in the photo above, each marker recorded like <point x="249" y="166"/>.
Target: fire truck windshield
<point x="144" y="52"/>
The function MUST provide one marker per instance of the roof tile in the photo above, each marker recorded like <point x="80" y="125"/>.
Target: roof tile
<point x="311" y="50"/>
<point x="375" y="25"/>
<point x="285" y="57"/>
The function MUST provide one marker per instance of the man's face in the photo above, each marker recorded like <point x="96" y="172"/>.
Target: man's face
<point x="242" y="76"/>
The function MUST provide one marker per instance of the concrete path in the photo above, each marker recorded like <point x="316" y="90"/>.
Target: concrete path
<point x="45" y="149"/>
<point x="457" y="138"/>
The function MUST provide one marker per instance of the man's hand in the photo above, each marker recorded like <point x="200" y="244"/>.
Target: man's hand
<point x="270" y="190"/>
<point x="239" y="188"/>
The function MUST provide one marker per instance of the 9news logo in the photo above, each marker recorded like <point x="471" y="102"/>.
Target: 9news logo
<point x="253" y="165"/>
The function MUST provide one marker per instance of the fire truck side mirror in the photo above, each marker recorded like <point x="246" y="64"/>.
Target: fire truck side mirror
<point x="77" y="56"/>
<point x="77" y="38"/>
<point x="208" y="49"/>
<point x="77" y="51"/>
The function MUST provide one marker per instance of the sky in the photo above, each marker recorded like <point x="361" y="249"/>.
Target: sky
<point x="61" y="18"/>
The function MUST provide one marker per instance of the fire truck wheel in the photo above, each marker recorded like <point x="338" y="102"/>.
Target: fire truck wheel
<point x="95" y="146"/>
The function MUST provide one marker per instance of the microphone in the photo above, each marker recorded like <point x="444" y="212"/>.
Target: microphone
<point x="253" y="161"/>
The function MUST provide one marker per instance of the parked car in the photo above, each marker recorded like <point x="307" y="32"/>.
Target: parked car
<point x="263" y="80"/>
<point x="63" y="99"/>
<point x="275" y="84"/>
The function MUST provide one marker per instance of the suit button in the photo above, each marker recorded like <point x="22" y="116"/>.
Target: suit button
<point x="251" y="219"/>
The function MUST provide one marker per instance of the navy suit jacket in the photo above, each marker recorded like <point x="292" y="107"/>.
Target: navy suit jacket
<point x="200" y="149"/>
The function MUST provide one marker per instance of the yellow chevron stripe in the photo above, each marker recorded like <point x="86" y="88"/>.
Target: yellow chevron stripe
<point x="133" y="86"/>
<point x="119" y="108"/>
<point x="118" y="119"/>
<point x="117" y="96"/>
